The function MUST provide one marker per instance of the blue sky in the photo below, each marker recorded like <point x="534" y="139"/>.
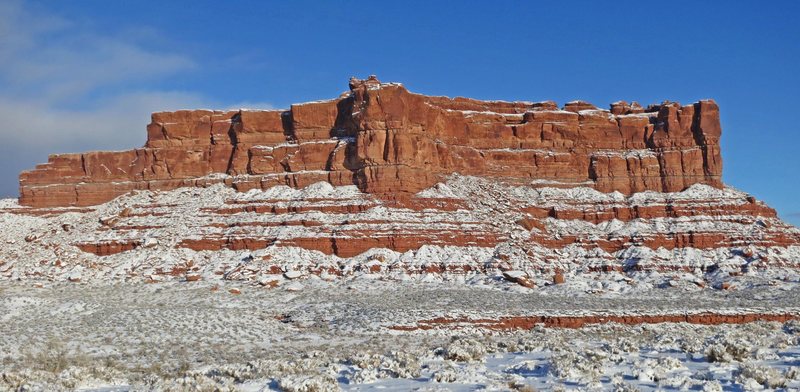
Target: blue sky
<point x="84" y="75"/>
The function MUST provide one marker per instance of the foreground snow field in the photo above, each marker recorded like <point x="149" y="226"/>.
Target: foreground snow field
<point x="201" y="336"/>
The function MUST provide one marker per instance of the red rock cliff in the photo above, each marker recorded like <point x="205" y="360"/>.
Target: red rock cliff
<point x="392" y="142"/>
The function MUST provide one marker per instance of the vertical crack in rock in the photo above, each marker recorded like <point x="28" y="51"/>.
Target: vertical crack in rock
<point x="403" y="143"/>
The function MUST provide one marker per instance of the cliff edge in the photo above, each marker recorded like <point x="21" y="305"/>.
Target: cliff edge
<point x="391" y="142"/>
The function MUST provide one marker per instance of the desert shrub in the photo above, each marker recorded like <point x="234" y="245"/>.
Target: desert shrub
<point x="792" y="373"/>
<point x="712" y="386"/>
<point x="308" y="383"/>
<point x="446" y="374"/>
<point x="54" y="357"/>
<point x="584" y="367"/>
<point x="766" y="376"/>
<point x="465" y="350"/>
<point x="728" y="350"/>
<point x="514" y="386"/>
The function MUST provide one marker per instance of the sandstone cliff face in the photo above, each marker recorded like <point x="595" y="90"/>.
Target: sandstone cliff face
<point x="393" y="143"/>
<point x="385" y="181"/>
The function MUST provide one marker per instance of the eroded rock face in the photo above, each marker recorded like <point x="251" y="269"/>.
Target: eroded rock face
<point x="384" y="181"/>
<point x="393" y="143"/>
<point x="465" y="228"/>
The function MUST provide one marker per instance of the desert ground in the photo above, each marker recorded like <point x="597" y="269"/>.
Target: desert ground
<point x="368" y="334"/>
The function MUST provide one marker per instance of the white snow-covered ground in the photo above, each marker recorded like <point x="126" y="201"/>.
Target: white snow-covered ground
<point x="44" y="248"/>
<point x="245" y="327"/>
<point x="198" y="336"/>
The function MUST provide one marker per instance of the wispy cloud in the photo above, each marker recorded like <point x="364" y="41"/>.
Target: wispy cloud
<point x="63" y="85"/>
<point x="45" y="56"/>
<point x="52" y="70"/>
<point x="119" y="122"/>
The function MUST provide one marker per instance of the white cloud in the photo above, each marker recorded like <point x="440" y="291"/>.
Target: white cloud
<point x="20" y="28"/>
<point x="117" y="123"/>
<point x="51" y="59"/>
<point x="52" y="71"/>
<point x="65" y="86"/>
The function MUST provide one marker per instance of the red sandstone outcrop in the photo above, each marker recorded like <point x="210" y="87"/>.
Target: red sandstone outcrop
<point x="528" y="322"/>
<point x="391" y="142"/>
<point x="348" y="223"/>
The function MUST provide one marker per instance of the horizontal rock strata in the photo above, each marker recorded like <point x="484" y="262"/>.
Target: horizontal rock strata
<point x="389" y="141"/>
<point x="385" y="181"/>
<point x="528" y="322"/>
<point x="525" y="234"/>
